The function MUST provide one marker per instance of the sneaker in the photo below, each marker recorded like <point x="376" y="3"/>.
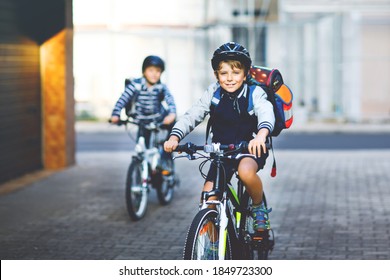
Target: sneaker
<point x="212" y="251"/>
<point x="260" y="218"/>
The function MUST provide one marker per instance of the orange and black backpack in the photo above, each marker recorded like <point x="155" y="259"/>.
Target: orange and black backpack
<point x="279" y="94"/>
<point x="281" y="97"/>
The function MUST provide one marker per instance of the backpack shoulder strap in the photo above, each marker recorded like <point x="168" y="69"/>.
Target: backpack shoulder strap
<point x="214" y="102"/>
<point x="250" y="99"/>
<point x="137" y="86"/>
<point x="216" y="97"/>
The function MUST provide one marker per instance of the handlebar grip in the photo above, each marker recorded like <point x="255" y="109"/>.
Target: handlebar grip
<point x="188" y="148"/>
<point x="180" y="148"/>
<point x="119" y="123"/>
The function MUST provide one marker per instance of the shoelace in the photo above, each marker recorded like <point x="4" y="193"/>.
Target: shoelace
<point x="260" y="215"/>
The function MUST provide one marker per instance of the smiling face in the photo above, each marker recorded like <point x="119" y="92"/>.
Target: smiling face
<point x="230" y="75"/>
<point x="152" y="74"/>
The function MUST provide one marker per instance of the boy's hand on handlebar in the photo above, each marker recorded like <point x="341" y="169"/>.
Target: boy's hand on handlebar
<point x="114" y="119"/>
<point x="169" y="119"/>
<point x="257" y="146"/>
<point x="171" y="144"/>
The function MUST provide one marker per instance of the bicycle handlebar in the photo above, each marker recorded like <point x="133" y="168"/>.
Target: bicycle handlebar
<point x="153" y="125"/>
<point x="190" y="148"/>
<point x="119" y="123"/>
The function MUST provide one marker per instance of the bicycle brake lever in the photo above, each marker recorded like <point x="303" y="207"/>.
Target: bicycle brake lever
<point x="190" y="157"/>
<point x="179" y="157"/>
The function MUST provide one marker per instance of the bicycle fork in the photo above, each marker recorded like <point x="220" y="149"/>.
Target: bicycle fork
<point x="223" y="219"/>
<point x="222" y="222"/>
<point x="141" y="150"/>
<point x="145" y="178"/>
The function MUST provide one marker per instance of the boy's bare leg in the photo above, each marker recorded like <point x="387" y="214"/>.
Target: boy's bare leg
<point x="208" y="186"/>
<point x="247" y="170"/>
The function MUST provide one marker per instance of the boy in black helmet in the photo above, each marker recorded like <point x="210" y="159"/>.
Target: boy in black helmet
<point x="232" y="123"/>
<point x="149" y="93"/>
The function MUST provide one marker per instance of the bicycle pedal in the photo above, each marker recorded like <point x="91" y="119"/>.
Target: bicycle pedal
<point x="260" y="237"/>
<point x="166" y="172"/>
<point x="257" y="238"/>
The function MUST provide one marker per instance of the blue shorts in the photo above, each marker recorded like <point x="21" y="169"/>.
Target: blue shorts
<point x="231" y="166"/>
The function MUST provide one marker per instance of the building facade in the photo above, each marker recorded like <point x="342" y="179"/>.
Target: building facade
<point x="335" y="55"/>
<point x="36" y="86"/>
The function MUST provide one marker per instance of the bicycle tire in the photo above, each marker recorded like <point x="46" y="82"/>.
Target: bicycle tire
<point x="198" y="241"/>
<point x="136" y="194"/>
<point x="166" y="182"/>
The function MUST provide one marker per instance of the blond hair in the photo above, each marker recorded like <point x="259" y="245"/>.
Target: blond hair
<point x="232" y="64"/>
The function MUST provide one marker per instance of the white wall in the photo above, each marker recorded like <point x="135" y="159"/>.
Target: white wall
<point x="375" y="69"/>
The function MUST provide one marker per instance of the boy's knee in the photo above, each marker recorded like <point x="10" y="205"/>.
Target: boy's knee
<point x="246" y="170"/>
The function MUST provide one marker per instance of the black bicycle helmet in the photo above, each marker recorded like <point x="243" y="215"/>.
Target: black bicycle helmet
<point x="231" y="51"/>
<point x="153" y="60"/>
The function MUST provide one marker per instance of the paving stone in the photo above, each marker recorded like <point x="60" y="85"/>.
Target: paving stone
<point x="326" y="205"/>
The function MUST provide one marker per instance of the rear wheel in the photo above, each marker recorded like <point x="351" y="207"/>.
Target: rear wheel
<point x="136" y="193"/>
<point x="203" y="238"/>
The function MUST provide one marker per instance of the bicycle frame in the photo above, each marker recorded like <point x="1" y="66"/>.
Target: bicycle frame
<point x="231" y="207"/>
<point x="148" y="168"/>
<point x="149" y="157"/>
<point x="225" y="193"/>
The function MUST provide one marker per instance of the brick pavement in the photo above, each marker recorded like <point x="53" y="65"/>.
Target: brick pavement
<point x="326" y="205"/>
<point x="331" y="205"/>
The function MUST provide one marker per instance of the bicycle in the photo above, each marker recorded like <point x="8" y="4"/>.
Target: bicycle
<point x="223" y="228"/>
<point x="150" y="167"/>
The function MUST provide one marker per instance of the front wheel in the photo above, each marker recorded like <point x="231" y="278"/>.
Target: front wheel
<point x="203" y="238"/>
<point x="136" y="193"/>
<point x="165" y="188"/>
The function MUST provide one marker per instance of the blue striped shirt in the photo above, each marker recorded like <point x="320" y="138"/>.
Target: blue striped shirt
<point x="153" y="102"/>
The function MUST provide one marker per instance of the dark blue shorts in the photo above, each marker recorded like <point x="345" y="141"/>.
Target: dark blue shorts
<point x="231" y="167"/>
